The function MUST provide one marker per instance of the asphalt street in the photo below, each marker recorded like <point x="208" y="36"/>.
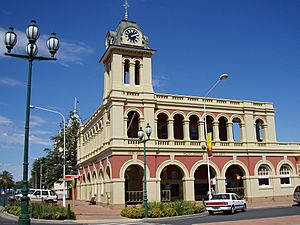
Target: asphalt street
<point x="187" y="220"/>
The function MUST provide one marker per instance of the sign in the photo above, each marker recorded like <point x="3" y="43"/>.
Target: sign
<point x="71" y="177"/>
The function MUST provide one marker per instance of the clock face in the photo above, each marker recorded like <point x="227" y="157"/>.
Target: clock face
<point x="132" y="35"/>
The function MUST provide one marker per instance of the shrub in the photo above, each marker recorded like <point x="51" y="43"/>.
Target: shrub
<point x="168" y="212"/>
<point x="132" y="212"/>
<point x="159" y="209"/>
<point x="199" y="208"/>
<point x="13" y="209"/>
<point x="154" y="213"/>
<point x="40" y="210"/>
<point x="179" y="207"/>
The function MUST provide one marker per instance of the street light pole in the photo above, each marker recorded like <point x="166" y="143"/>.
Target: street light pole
<point x="224" y="76"/>
<point x="10" y="39"/>
<point x="64" y="147"/>
<point x="144" y="140"/>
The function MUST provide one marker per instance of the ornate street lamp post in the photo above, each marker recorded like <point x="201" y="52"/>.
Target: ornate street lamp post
<point x="143" y="139"/>
<point x="10" y="39"/>
<point x="223" y="76"/>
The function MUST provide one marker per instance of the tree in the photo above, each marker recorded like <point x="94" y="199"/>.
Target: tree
<point x="52" y="163"/>
<point x="6" y="179"/>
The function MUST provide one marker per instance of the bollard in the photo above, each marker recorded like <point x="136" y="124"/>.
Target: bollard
<point x="69" y="212"/>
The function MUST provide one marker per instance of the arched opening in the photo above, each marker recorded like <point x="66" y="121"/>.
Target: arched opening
<point x="162" y="126"/>
<point x="94" y="186"/>
<point x="236" y="129"/>
<point x="223" y="128"/>
<point x="259" y="130"/>
<point x="201" y="182"/>
<point x="171" y="183"/>
<point x="134" y="184"/>
<point x="126" y="71"/>
<point x="178" y="127"/>
<point x="89" y="187"/>
<point x="107" y="185"/>
<point x="209" y="126"/>
<point x="193" y="127"/>
<point x="137" y="73"/>
<point x="100" y="185"/>
<point x="132" y="124"/>
<point x="234" y="180"/>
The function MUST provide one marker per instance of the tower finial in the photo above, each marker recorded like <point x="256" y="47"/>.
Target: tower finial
<point x="126" y="5"/>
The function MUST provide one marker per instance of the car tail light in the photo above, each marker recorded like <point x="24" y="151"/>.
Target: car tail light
<point x="216" y="203"/>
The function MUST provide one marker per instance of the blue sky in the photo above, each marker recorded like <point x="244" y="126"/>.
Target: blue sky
<point x="256" y="42"/>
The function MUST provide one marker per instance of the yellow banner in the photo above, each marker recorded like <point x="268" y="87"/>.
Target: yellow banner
<point x="209" y="141"/>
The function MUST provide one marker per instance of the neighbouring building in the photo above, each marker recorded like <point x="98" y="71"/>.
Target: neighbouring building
<point x="247" y="159"/>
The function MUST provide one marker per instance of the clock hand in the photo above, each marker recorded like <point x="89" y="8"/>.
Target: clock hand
<point x="134" y="35"/>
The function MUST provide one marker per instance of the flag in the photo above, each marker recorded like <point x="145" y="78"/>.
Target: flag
<point x="209" y="144"/>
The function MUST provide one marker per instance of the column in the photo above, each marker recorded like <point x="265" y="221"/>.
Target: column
<point x="125" y="127"/>
<point x="265" y="133"/>
<point x="229" y="132"/>
<point x="188" y="189"/>
<point x="171" y="129"/>
<point x="216" y="131"/>
<point x="186" y="130"/>
<point x="201" y="131"/>
<point x="131" y="73"/>
<point x="243" y="132"/>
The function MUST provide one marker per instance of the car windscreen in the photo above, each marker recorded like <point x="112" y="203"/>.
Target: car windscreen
<point x="222" y="196"/>
<point x="30" y="192"/>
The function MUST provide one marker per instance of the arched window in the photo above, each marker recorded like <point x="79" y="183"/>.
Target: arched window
<point x="263" y="176"/>
<point x="162" y="126"/>
<point x="223" y="129"/>
<point x="137" y="73"/>
<point x="193" y="125"/>
<point x="178" y="126"/>
<point x="259" y="130"/>
<point x="126" y="71"/>
<point x="209" y="126"/>
<point x="285" y="175"/>
<point x="132" y="124"/>
<point x="236" y="129"/>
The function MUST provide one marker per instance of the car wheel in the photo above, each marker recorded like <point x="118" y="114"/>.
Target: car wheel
<point x="244" y="208"/>
<point x="232" y="210"/>
<point x="210" y="212"/>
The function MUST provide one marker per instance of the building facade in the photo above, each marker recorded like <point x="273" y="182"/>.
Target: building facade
<point x="247" y="159"/>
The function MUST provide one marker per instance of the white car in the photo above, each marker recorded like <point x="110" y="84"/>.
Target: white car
<point x="225" y="202"/>
<point x="40" y="195"/>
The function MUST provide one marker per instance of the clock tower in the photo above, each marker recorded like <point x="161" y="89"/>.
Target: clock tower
<point x="127" y="62"/>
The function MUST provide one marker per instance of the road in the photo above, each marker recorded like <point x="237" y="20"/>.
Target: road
<point x="196" y="219"/>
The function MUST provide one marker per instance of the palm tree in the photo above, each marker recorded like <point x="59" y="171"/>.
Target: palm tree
<point x="6" y="179"/>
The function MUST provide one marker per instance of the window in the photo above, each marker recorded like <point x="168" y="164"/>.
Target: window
<point x="132" y="124"/>
<point x="223" y="129"/>
<point x="45" y="193"/>
<point x="162" y="126"/>
<point x="193" y="125"/>
<point x="285" y="175"/>
<point x="236" y="127"/>
<point x="263" y="176"/>
<point x="126" y="71"/>
<point x="259" y="130"/>
<point x="174" y="175"/>
<point x="137" y="73"/>
<point x="178" y="127"/>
